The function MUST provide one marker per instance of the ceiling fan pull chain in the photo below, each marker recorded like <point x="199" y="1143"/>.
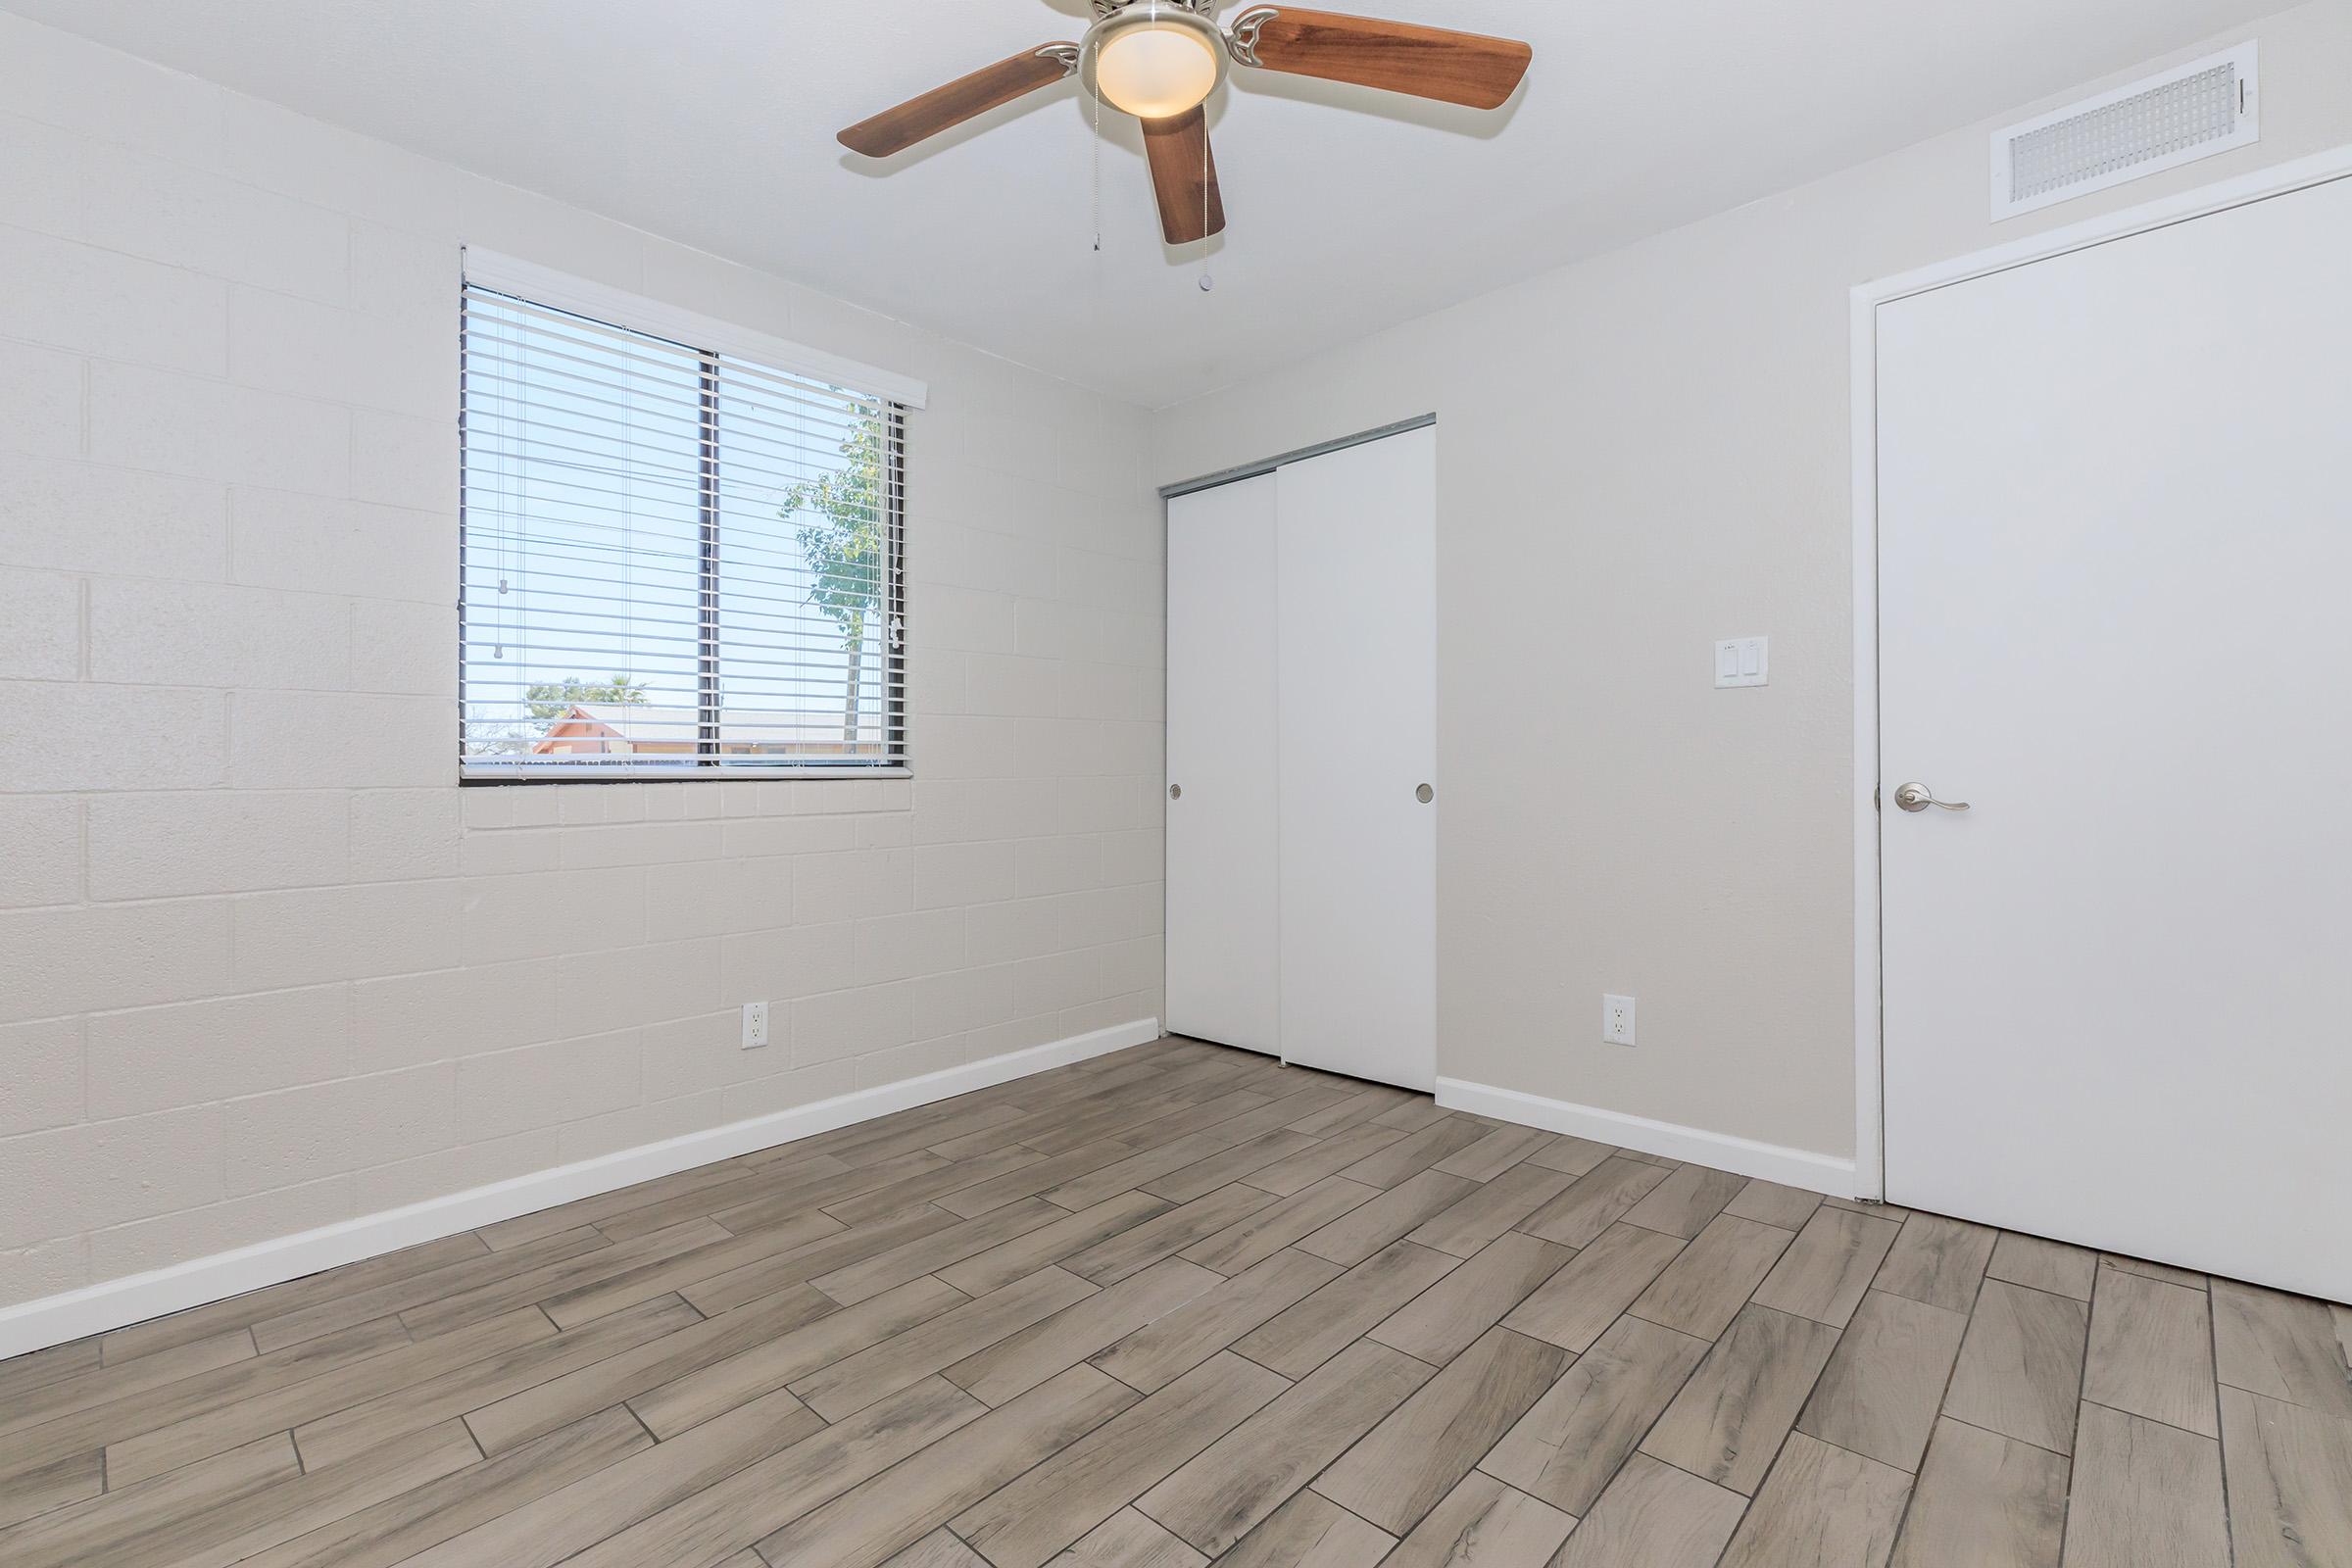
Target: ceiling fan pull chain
<point x="1206" y="281"/>
<point x="1098" y="175"/>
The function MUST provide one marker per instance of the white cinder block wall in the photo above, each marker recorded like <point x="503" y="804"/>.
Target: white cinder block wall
<point x="264" y="967"/>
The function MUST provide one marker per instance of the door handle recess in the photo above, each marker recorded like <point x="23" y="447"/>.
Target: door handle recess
<point x="1425" y="795"/>
<point x="1918" y="797"/>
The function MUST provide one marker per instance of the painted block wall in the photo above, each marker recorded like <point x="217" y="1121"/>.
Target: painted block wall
<point x="264" y="967"/>
<point x="1638" y="455"/>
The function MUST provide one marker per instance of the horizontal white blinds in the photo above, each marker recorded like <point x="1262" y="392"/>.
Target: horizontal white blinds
<point x="676" y="562"/>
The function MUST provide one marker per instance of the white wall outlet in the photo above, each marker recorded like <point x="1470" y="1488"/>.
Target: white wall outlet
<point x="1744" y="661"/>
<point x="1617" y="1021"/>
<point x="754" y="1026"/>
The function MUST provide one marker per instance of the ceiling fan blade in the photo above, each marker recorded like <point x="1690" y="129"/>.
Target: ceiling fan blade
<point x="1184" y="175"/>
<point x="894" y="131"/>
<point x="1455" y="67"/>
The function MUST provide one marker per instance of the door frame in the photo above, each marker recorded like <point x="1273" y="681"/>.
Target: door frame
<point x="2279" y="179"/>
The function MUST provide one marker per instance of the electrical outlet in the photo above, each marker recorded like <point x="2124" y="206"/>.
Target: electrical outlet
<point x="1617" y="1021"/>
<point x="754" y="1026"/>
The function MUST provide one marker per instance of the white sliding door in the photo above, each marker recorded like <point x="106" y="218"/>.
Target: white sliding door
<point x="2115" y="538"/>
<point x="1222" y="743"/>
<point x="1358" y="613"/>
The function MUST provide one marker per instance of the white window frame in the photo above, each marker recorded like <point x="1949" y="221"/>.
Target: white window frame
<point x="618" y="308"/>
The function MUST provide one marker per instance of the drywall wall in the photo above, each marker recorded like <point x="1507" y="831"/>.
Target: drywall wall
<point x="262" y="967"/>
<point x="1639" y="455"/>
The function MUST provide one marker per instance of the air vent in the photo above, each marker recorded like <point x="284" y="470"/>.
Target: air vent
<point x="2205" y="106"/>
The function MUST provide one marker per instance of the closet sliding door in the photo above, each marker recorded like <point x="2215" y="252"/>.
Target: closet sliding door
<point x="1223" y="936"/>
<point x="1356" y="560"/>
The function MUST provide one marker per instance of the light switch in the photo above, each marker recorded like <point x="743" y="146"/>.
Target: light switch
<point x="1744" y="661"/>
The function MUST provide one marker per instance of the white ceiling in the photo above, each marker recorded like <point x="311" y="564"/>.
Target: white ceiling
<point x="711" y="122"/>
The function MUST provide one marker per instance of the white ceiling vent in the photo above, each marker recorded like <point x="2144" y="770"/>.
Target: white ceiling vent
<point x="2194" y="111"/>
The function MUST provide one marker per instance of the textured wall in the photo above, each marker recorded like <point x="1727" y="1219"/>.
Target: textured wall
<point x="1638" y="455"/>
<point x="262" y="967"/>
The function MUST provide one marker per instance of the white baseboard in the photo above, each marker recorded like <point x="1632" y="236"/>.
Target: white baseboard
<point x="1745" y="1157"/>
<point x="96" y="1308"/>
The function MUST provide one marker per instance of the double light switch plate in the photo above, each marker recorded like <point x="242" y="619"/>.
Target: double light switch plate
<point x="1744" y="661"/>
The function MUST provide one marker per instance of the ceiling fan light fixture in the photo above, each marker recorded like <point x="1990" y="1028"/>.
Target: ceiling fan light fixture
<point x="1154" y="59"/>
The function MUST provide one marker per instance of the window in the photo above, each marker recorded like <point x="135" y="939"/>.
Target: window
<point x="678" y="561"/>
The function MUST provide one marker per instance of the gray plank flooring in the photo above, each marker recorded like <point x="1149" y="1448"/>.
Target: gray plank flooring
<point x="1180" y="1305"/>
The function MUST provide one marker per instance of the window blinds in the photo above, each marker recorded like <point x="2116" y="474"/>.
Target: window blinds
<point x="676" y="562"/>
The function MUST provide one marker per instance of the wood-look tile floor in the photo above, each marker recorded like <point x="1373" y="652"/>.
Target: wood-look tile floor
<point x="1179" y="1304"/>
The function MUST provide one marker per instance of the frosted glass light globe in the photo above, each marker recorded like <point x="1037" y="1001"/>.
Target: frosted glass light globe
<point x="1155" y="70"/>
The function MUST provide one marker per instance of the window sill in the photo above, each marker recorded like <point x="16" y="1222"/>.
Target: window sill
<point x="745" y="775"/>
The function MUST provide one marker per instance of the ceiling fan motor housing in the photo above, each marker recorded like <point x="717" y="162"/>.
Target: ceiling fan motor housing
<point x="1111" y="8"/>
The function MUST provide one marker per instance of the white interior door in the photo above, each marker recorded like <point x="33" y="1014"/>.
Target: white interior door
<point x="1222" y="743"/>
<point x="2115" y="547"/>
<point x="1358" y="716"/>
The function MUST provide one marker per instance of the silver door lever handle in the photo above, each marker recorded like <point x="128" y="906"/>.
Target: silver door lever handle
<point x="1918" y="797"/>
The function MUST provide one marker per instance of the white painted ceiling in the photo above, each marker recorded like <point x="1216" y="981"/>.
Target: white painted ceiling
<point x="711" y="122"/>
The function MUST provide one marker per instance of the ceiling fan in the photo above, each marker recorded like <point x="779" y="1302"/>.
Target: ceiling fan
<point x="1160" y="60"/>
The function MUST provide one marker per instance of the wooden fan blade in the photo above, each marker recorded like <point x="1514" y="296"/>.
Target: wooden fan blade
<point x="894" y="131"/>
<point x="1184" y="175"/>
<point x="1455" y="67"/>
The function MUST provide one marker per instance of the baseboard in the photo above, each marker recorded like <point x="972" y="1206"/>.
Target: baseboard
<point x="1745" y="1157"/>
<point x="96" y="1308"/>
